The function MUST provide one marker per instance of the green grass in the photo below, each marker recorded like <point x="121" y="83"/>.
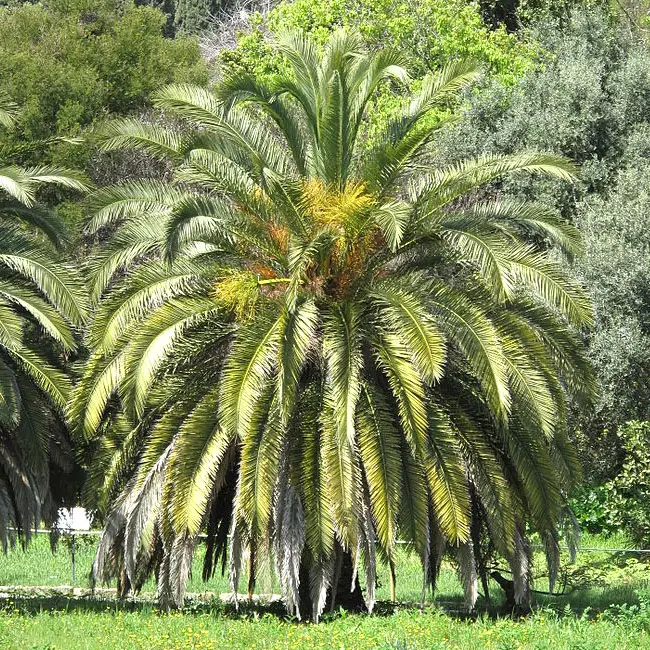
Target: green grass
<point x="606" y="606"/>
<point x="403" y="630"/>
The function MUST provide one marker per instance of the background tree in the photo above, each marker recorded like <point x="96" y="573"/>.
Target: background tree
<point x="70" y="64"/>
<point x="332" y="347"/>
<point x="427" y="34"/>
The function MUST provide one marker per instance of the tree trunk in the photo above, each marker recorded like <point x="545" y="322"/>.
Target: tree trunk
<point x="343" y="593"/>
<point x="340" y="594"/>
<point x="393" y="580"/>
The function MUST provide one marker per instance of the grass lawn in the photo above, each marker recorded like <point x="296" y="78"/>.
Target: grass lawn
<point x="606" y="606"/>
<point x="403" y="630"/>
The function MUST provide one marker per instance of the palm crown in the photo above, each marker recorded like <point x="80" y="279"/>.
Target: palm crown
<point x="40" y="301"/>
<point x="321" y="347"/>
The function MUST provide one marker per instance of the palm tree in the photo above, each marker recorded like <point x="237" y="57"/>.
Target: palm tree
<point x="313" y="348"/>
<point x="40" y="301"/>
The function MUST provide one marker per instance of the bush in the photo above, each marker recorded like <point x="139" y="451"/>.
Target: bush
<point x="192" y="16"/>
<point x="624" y="502"/>
<point x="582" y="101"/>
<point x="68" y="63"/>
<point x="428" y="33"/>
<point x="616" y="267"/>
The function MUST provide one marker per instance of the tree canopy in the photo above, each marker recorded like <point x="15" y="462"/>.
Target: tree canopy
<point x="42" y="299"/>
<point x="317" y="347"/>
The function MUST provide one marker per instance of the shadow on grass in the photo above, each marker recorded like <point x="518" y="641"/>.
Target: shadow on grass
<point x="575" y="602"/>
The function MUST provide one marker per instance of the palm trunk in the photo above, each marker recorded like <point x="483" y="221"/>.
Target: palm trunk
<point x="391" y="565"/>
<point x="343" y="593"/>
<point x="251" y="573"/>
<point x="340" y="594"/>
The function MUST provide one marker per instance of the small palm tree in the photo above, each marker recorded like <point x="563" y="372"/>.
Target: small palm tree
<point x="320" y="349"/>
<point x="40" y="300"/>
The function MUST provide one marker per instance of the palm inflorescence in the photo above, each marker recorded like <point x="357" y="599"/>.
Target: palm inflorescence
<point x="315" y="346"/>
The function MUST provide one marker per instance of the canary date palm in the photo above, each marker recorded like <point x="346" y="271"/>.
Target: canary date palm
<point x="41" y="300"/>
<point x="315" y="346"/>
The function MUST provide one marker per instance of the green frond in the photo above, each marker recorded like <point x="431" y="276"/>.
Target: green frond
<point x="144" y="292"/>
<point x="386" y="65"/>
<point x="101" y="380"/>
<point x="52" y="381"/>
<point x="414" y="505"/>
<point x="260" y="463"/>
<point x="379" y="448"/>
<point x="447" y="480"/>
<point x="529" y="388"/>
<point x="484" y="249"/>
<point x="56" y="281"/>
<point x="341" y="475"/>
<point x="197" y="462"/>
<point x="194" y="103"/>
<point x="155" y="342"/>
<point x="297" y="338"/>
<point x="131" y="133"/>
<point x="305" y="86"/>
<point x="563" y="345"/>
<point x="57" y="176"/>
<point x="216" y="173"/>
<point x="442" y="186"/>
<point x="233" y="134"/>
<point x="528" y="218"/>
<point x="10" y="399"/>
<point x="248" y="367"/>
<point x="11" y="327"/>
<point x="8" y="111"/>
<point x="196" y="218"/>
<point x="115" y="259"/>
<point x="342" y="352"/>
<point x="134" y="199"/>
<point x="532" y="463"/>
<point x="311" y="479"/>
<point x="553" y="285"/>
<point x="411" y="323"/>
<point x="15" y="182"/>
<point x="41" y="219"/>
<point x="395" y="360"/>
<point x="470" y="328"/>
<point x="393" y="218"/>
<point x="242" y="89"/>
<point x="46" y="316"/>
<point x="486" y="474"/>
<point x="439" y="86"/>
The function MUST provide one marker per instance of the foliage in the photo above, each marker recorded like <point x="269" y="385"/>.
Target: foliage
<point x="427" y="34"/>
<point x="70" y="63"/>
<point x="41" y="300"/>
<point x="331" y="345"/>
<point x="591" y="506"/>
<point x="616" y="270"/>
<point x="623" y="502"/>
<point x="583" y="102"/>
<point x="192" y="16"/>
<point x="405" y="629"/>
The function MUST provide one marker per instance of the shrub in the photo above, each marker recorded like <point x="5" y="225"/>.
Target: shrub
<point x="624" y="502"/>
<point x="428" y="33"/>
<point x="71" y="62"/>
